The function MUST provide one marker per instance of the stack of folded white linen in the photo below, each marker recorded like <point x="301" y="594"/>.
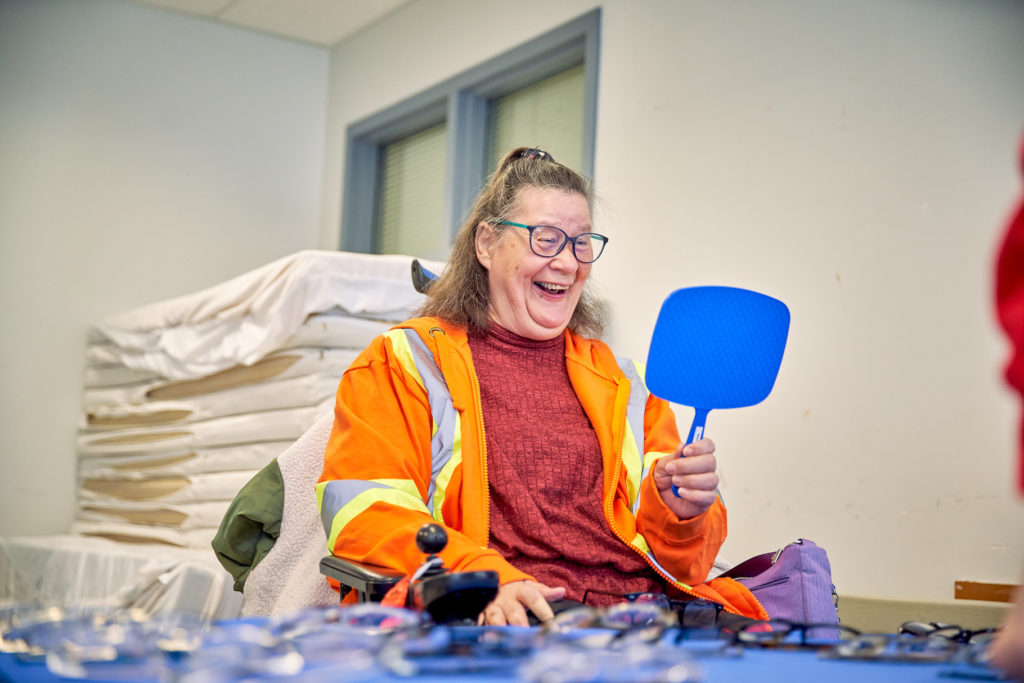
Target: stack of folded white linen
<point x="186" y="399"/>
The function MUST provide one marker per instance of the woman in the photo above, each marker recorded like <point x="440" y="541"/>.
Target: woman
<point x="541" y="453"/>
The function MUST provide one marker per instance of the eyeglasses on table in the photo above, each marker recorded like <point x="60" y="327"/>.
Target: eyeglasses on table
<point x="354" y="642"/>
<point x="922" y="642"/>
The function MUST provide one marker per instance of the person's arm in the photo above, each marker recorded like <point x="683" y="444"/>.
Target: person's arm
<point x="377" y="469"/>
<point x="1007" y="649"/>
<point x="684" y="534"/>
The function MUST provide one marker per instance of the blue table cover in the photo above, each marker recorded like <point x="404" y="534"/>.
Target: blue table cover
<point x="761" y="666"/>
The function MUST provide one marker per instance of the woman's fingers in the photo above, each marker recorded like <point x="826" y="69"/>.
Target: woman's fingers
<point x="510" y="605"/>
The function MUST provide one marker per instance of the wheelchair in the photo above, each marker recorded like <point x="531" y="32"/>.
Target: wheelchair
<point x="449" y="597"/>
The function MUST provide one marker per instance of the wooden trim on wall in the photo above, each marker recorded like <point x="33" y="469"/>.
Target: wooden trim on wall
<point x="976" y="590"/>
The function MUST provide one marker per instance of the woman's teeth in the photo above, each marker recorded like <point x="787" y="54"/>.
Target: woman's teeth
<point x="554" y="289"/>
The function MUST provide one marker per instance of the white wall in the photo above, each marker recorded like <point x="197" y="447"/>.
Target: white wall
<point x="144" y="155"/>
<point x="856" y="160"/>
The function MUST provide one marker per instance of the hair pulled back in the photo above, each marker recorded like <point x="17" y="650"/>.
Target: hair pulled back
<point x="461" y="294"/>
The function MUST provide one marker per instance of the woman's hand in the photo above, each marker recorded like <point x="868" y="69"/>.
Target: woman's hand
<point x="694" y="475"/>
<point x="513" y="599"/>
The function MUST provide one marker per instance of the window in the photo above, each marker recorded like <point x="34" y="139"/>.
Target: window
<point x="548" y="114"/>
<point x="413" y="170"/>
<point x="410" y="194"/>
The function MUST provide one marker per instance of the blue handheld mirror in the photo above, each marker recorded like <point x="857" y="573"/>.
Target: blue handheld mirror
<point x="716" y="347"/>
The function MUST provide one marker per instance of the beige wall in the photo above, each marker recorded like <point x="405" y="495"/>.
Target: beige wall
<point x="144" y="155"/>
<point x="854" y="159"/>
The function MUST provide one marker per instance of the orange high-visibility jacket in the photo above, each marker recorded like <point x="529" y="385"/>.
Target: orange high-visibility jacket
<point x="408" y="447"/>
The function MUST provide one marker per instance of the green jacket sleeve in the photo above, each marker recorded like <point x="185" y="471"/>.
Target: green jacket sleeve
<point x="252" y="524"/>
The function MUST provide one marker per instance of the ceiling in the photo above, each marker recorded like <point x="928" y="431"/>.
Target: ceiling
<point x="320" y="22"/>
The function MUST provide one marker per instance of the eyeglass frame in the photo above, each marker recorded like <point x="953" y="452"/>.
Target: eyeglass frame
<point x="776" y="634"/>
<point x="602" y="238"/>
<point x="697" y="613"/>
<point x="894" y="647"/>
<point x="942" y="630"/>
<point x="611" y="617"/>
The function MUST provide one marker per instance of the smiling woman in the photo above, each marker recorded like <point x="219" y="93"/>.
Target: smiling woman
<point x="535" y="296"/>
<point x="567" y="494"/>
<point x="527" y="181"/>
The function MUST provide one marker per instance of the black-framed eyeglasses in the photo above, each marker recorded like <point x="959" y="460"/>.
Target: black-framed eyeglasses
<point x="696" y="613"/>
<point x="952" y="632"/>
<point x="444" y="650"/>
<point x="783" y="634"/>
<point x="894" y="647"/>
<point x="548" y="241"/>
<point x="624" y="621"/>
<point x="973" y="661"/>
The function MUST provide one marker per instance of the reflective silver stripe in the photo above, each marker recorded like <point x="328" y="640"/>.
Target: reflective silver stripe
<point x="446" y="418"/>
<point x="342" y="499"/>
<point x="637" y="400"/>
<point x="336" y="494"/>
<point x="635" y="415"/>
<point x="635" y="419"/>
<point x="636" y="462"/>
<point x="635" y="412"/>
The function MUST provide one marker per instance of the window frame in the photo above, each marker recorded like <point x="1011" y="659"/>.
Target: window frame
<point x="462" y="103"/>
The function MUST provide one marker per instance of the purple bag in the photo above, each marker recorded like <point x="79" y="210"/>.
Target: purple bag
<point x="793" y="583"/>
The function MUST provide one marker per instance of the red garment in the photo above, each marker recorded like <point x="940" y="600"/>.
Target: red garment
<point x="545" y="470"/>
<point x="1010" y="306"/>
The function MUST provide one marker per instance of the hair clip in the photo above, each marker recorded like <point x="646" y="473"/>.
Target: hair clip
<point x="536" y="154"/>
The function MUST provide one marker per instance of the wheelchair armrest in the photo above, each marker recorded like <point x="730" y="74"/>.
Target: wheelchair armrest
<point x="369" y="581"/>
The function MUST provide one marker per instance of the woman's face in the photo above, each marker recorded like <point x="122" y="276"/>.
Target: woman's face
<point x="530" y="295"/>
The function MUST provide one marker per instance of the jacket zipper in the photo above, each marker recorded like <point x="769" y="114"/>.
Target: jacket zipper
<point x="483" y="461"/>
<point x="620" y="437"/>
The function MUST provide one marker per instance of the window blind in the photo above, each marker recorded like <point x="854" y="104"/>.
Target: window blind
<point x="411" y="199"/>
<point x="547" y="115"/>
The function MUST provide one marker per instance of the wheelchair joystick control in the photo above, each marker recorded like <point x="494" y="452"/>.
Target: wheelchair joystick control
<point x="431" y="539"/>
<point x="448" y="596"/>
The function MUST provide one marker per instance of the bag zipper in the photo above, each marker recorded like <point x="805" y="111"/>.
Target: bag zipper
<point x="769" y="584"/>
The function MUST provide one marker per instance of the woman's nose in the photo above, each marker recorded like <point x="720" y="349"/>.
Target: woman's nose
<point x="565" y="259"/>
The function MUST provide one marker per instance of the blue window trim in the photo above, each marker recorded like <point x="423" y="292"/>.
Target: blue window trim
<point x="462" y="102"/>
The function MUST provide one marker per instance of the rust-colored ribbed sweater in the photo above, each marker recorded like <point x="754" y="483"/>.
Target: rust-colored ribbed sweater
<point x="545" y="473"/>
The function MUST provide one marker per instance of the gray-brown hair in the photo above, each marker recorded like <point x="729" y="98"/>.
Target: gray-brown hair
<point x="461" y="294"/>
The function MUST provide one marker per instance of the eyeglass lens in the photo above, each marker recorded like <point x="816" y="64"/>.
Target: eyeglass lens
<point x="548" y="241"/>
<point x="779" y="633"/>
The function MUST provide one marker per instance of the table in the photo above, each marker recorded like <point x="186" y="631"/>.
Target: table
<point x="763" y="666"/>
